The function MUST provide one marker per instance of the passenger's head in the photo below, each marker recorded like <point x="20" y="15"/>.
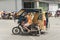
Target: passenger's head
<point x="35" y="12"/>
<point x="29" y="13"/>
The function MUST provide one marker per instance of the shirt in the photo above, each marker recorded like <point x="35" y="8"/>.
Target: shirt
<point x="29" y="18"/>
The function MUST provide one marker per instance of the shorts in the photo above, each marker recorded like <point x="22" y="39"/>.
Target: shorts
<point x="27" y="24"/>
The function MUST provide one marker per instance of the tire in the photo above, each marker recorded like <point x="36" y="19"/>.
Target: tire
<point x="37" y="33"/>
<point x="16" y="31"/>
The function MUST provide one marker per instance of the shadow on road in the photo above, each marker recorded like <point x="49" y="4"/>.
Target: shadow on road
<point x="42" y="33"/>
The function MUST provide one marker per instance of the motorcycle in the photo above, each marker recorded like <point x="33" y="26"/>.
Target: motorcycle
<point x="21" y="30"/>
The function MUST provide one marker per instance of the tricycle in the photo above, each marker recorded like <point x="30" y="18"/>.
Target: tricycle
<point x="34" y="28"/>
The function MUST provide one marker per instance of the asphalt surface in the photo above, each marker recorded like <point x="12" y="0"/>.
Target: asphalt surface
<point x="53" y="32"/>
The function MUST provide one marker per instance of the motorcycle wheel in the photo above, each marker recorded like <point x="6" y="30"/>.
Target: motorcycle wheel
<point x="16" y="30"/>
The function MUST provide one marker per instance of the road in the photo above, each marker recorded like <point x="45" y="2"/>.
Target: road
<point x="53" y="33"/>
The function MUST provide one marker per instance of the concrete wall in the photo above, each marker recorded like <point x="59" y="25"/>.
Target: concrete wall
<point x="9" y="5"/>
<point x="19" y="4"/>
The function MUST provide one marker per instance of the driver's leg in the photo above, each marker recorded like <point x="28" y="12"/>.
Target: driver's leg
<point x="25" y="26"/>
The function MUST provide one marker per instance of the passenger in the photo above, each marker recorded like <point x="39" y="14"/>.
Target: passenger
<point x="35" y="19"/>
<point x="29" y="18"/>
<point x="29" y="22"/>
<point x="32" y="15"/>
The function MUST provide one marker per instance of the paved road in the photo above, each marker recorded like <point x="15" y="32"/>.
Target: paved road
<point x="53" y="32"/>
